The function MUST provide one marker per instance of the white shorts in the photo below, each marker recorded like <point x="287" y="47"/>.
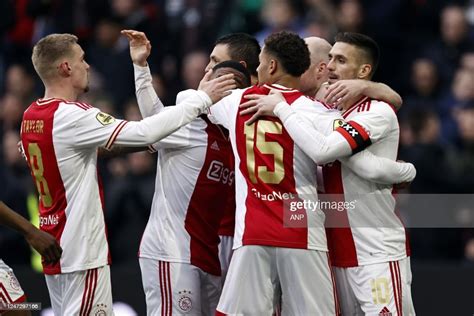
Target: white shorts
<point x="376" y="289"/>
<point x="174" y="288"/>
<point x="259" y="276"/>
<point x="10" y="289"/>
<point x="225" y="254"/>
<point x="81" y="293"/>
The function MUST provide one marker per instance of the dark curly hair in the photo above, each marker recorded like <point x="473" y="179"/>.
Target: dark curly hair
<point x="290" y="50"/>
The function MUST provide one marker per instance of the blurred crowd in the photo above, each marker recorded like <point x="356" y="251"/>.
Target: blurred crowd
<point x="427" y="52"/>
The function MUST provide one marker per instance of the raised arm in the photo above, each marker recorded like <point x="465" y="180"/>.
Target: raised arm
<point x="140" y="49"/>
<point x="41" y="241"/>
<point x="339" y="92"/>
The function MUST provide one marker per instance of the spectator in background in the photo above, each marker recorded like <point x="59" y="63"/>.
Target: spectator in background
<point x="20" y="83"/>
<point x="279" y="15"/>
<point x="11" y="111"/>
<point x="424" y="86"/>
<point x="193" y="67"/>
<point x="109" y="56"/>
<point x="467" y="60"/>
<point x="76" y="17"/>
<point x="463" y="160"/>
<point x="454" y="41"/>
<point x="461" y="93"/>
<point x="350" y="16"/>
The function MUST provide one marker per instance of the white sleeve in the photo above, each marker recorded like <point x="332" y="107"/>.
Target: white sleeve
<point x="322" y="149"/>
<point x="376" y="121"/>
<point x="182" y="137"/>
<point x="221" y="112"/>
<point x="379" y="169"/>
<point x="95" y="128"/>
<point x="147" y="99"/>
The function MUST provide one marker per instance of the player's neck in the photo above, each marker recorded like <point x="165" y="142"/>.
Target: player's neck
<point x="59" y="91"/>
<point x="253" y="80"/>
<point x="289" y="82"/>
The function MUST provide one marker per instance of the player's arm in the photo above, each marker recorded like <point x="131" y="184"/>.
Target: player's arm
<point x="320" y="148"/>
<point x="379" y="169"/>
<point x="140" y="49"/>
<point x="93" y="128"/>
<point x="343" y="90"/>
<point x="43" y="242"/>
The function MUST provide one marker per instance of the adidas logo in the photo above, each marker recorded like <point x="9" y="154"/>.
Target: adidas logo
<point x="215" y="146"/>
<point x="385" y="312"/>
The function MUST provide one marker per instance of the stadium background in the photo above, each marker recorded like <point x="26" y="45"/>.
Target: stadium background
<point x="427" y="56"/>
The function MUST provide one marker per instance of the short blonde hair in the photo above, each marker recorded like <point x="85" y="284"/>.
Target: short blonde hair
<point x="48" y="50"/>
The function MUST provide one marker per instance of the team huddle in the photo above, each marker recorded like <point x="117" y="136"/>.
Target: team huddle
<point x="267" y="128"/>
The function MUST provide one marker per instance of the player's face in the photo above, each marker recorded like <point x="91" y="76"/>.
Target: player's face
<point x="79" y="69"/>
<point x="238" y="76"/>
<point x="344" y="62"/>
<point x="219" y="54"/>
<point x="263" y="69"/>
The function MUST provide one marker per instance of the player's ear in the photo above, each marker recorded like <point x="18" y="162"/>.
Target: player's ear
<point x="321" y="67"/>
<point x="364" y="71"/>
<point x="243" y="63"/>
<point x="273" y="66"/>
<point x="64" y="69"/>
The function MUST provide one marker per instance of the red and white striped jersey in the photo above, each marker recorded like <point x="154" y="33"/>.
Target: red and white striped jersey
<point x="374" y="232"/>
<point x="60" y="141"/>
<point x="270" y="172"/>
<point x="194" y="187"/>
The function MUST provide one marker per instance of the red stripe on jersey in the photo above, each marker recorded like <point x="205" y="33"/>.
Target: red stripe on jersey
<point x="400" y="298"/>
<point x="395" y="282"/>
<point x="334" y="288"/>
<point x="85" y="293"/>
<point x="5" y="295"/>
<point x="3" y="299"/>
<point x="265" y="217"/>
<point x="214" y="185"/>
<point x="354" y="106"/>
<point x="342" y="250"/>
<point x="93" y="290"/>
<point x="151" y="149"/>
<point x="162" y="287"/>
<point x="227" y="225"/>
<point x="279" y="88"/>
<point x="114" y="135"/>
<point x="168" y="283"/>
<point x="21" y="299"/>
<point x="326" y="105"/>
<point x="42" y="161"/>
<point x="79" y="105"/>
<point x="47" y="101"/>
<point x="102" y="202"/>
